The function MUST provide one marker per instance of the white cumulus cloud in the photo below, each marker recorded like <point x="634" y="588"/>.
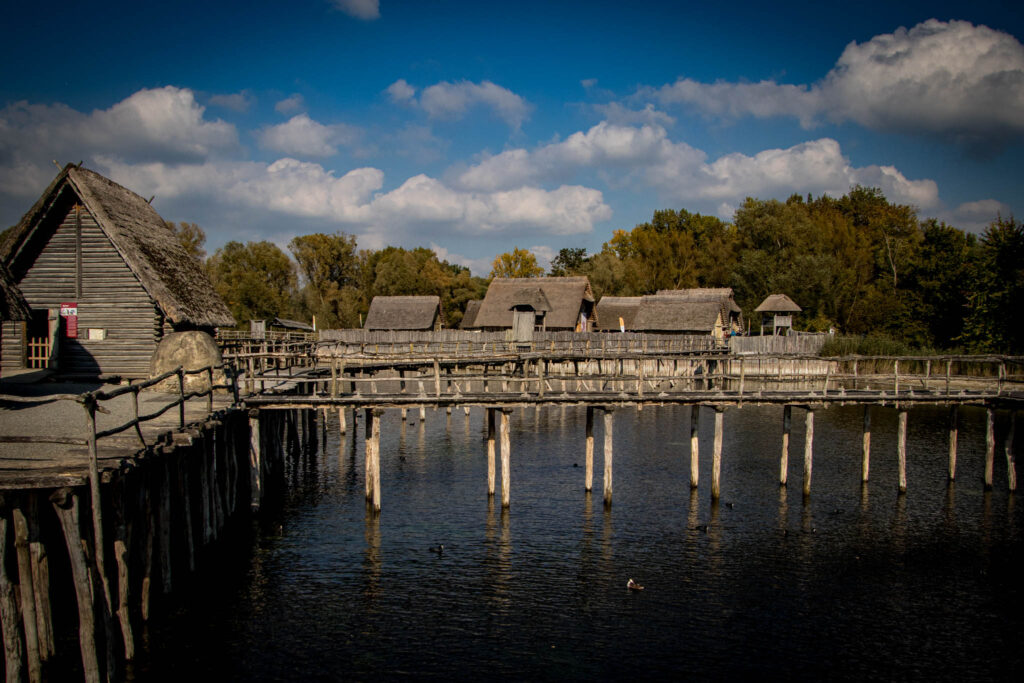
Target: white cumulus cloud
<point x="453" y="100"/>
<point x="951" y="79"/>
<point x="302" y="136"/>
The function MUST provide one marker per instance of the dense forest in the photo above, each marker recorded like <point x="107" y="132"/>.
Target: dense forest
<point x="858" y="264"/>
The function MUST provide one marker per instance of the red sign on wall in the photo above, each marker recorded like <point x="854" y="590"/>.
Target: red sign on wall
<point x="69" y="312"/>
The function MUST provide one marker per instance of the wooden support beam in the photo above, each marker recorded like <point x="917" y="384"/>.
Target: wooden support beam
<point x="342" y="427"/>
<point x="694" y="445"/>
<point x="1011" y="467"/>
<point x="491" y="415"/>
<point x="255" y="461"/>
<point x="28" y="602"/>
<point x="716" y="454"/>
<point x="10" y="621"/>
<point x="901" y="449"/>
<point x="954" y="428"/>
<point x="787" y="426"/>
<point x="608" y="420"/>
<point x="990" y="445"/>
<point x="865" y="447"/>
<point x="506" y="459"/>
<point x="808" y="451"/>
<point x="373" y="458"/>
<point x="588" y="464"/>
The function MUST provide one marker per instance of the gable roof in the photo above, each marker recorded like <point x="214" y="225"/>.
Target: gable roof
<point x="564" y="295"/>
<point x="403" y="313"/>
<point x="675" y="314"/>
<point x="12" y="304"/>
<point x="469" y="317"/>
<point x="148" y="246"/>
<point x="611" y="308"/>
<point x="778" y="303"/>
<point x="721" y="294"/>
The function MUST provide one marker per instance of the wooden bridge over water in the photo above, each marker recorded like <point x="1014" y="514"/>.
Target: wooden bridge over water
<point x="126" y="495"/>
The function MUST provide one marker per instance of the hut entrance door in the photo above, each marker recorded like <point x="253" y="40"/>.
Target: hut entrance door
<point x="523" y="322"/>
<point x="42" y="339"/>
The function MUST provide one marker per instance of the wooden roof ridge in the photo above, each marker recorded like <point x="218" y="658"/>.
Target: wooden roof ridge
<point x="418" y="312"/>
<point x="148" y="246"/>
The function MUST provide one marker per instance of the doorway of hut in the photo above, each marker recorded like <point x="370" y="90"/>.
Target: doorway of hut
<point x="41" y="330"/>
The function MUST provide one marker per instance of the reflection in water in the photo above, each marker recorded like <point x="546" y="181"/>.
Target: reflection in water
<point x="859" y="587"/>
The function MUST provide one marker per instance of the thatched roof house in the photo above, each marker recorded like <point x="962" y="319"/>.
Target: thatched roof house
<point x="404" y="313"/>
<point x="777" y="313"/>
<point x="557" y="303"/>
<point x="12" y="304"/>
<point x="731" y="313"/>
<point x="612" y="309"/>
<point x="100" y="257"/>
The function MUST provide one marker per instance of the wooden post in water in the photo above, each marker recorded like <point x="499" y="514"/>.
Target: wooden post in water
<point x="255" y="461"/>
<point x="374" y="429"/>
<point x="28" y="601"/>
<point x="588" y="476"/>
<point x="490" y="451"/>
<point x="953" y="429"/>
<point x="990" y="445"/>
<point x="608" y="419"/>
<point x="787" y="425"/>
<point x="901" y="449"/>
<point x="865" y="447"/>
<point x="342" y="427"/>
<point x="716" y="454"/>
<point x="506" y="459"/>
<point x="14" y="653"/>
<point x="694" y="445"/>
<point x="808" y="451"/>
<point x="1011" y="467"/>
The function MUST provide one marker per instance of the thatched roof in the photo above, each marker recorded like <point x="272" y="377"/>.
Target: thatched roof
<point x="611" y="308"/>
<point x="403" y="313"/>
<point x="722" y="294"/>
<point x="12" y="304"/>
<point x="290" y="324"/>
<point x="147" y="244"/>
<point x="469" y="317"/>
<point x="532" y="297"/>
<point x="565" y="297"/>
<point x="675" y="314"/>
<point x="778" y="303"/>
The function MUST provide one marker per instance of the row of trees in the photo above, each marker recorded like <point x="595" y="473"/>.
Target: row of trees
<point x="859" y="263"/>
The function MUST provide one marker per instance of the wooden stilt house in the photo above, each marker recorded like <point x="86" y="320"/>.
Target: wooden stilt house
<point x="105" y="278"/>
<point x="541" y="303"/>
<point x="420" y="313"/>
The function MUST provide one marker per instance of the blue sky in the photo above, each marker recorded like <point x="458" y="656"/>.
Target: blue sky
<point x="474" y="127"/>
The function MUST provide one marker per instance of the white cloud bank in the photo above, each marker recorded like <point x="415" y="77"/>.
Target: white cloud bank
<point x="452" y="100"/>
<point x="302" y="136"/>
<point x="951" y="79"/>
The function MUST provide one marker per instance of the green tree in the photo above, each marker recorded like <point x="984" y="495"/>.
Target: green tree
<point x="329" y="264"/>
<point x="570" y="261"/>
<point x="516" y="263"/>
<point x="256" y="279"/>
<point x="993" y="323"/>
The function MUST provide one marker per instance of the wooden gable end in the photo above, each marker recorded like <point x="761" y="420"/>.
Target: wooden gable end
<point x="73" y="261"/>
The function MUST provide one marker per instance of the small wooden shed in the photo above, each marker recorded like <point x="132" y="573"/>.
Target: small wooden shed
<point x="404" y="313"/>
<point x="777" y="314"/>
<point x="555" y="303"/>
<point x="106" y="279"/>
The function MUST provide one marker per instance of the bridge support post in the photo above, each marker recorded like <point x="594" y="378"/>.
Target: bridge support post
<point x="490" y="451"/>
<point x="953" y="430"/>
<point x="588" y="477"/>
<point x="372" y="460"/>
<point x="808" y="451"/>
<point x="787" y="426"/>
<point x="255" y="461"/>
<point x="901" y="449"/>
<point x="1011" y="467"/>
<point x="506" y="459"/>
<point x="990" y="445"/>
<point x="716" y="454"/>
<point x="865" y="447"/>
<point x="694" y="445"/>
<point x="342" y="427"/>
<point x="608" y="419"/>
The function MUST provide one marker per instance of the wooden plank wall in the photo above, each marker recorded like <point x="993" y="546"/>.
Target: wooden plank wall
<point x="111" y="299"/>
<point x="800" y="344"/>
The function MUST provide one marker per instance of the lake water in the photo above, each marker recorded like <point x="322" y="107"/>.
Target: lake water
<point x="857" y="583"/>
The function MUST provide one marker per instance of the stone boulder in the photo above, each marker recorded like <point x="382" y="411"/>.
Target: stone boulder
<point x="192" y="350"/>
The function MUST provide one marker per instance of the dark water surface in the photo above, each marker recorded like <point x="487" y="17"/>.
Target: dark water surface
<point x="858" y="583"/>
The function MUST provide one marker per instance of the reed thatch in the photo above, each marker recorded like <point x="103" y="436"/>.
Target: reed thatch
<point x="673" y="314"/>
<point x="611" y="308"/>
<point x="778" y="303"/>
<point x="176" y="282"/>
<point x="566" y="298"/>
<point x="404" y="313"/>
<point x="12" y="304"/>
<point x="469" y="317"/>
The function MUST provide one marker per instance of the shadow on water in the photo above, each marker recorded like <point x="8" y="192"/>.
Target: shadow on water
<point x="854" y="582"/>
